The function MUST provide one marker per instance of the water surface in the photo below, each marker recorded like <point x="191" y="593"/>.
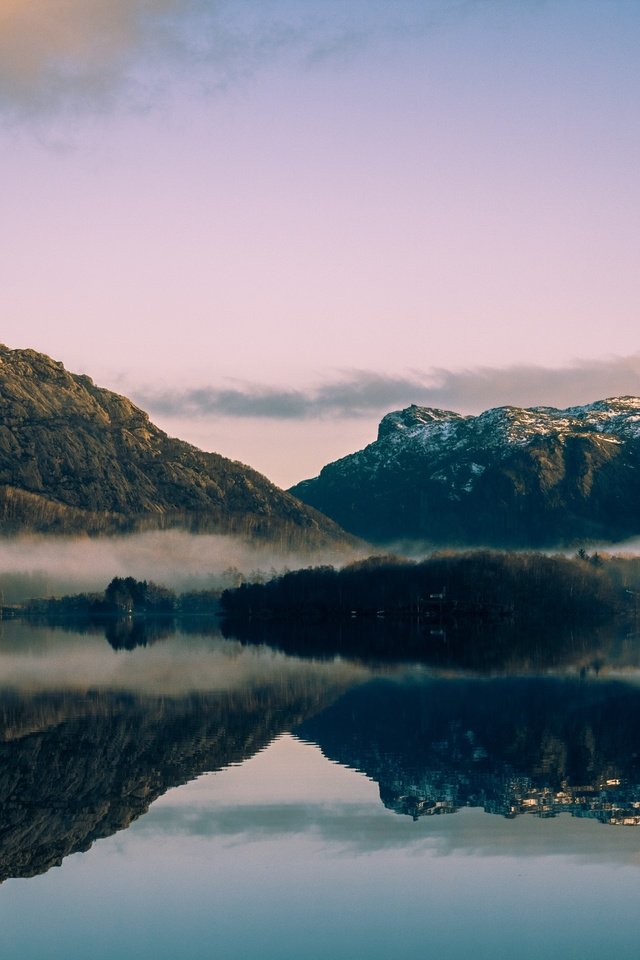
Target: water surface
<point x="206" y="798"/>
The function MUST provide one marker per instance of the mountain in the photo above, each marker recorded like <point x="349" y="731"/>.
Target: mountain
<point x="513" y="477"/>
<point x="78" y="458"/>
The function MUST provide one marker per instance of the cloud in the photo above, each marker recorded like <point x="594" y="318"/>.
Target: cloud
<point x="72" y="51"/>
<point x="353" y="395"/>
<point x="33" y="566"/>
<point x="91" y="55"/>
<point x="363" y="393"/>
<point x="528" y="385"/>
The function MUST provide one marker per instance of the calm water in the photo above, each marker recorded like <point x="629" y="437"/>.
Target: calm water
<point x="199" y="798"/>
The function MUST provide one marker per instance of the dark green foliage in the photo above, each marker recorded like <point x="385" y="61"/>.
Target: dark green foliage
<point x="482" y="585"/>
<point x="479" y="608"/>
<point x="124" y="596"/>
<point x="199" y="603"/>
<point x="132" y="613"/>
<point x="129" y="596"/>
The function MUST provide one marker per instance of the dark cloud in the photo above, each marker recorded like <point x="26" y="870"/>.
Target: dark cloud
<point x="355" y="395"/>
<point x="527" y="385"/>
<point x="362" y="393"/>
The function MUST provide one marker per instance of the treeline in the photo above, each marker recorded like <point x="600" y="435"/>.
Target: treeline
<point x="124" y="598"/>
<point x="473" y="608"/>
<point x="479" y="586"/>
<point x="483" y="586"/>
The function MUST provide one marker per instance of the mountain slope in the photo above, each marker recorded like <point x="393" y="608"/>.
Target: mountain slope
<point x="508" y="477"/>
<point x="75" y="457"/>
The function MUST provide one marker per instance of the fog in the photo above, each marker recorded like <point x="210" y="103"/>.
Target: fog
<point x="41" y="566"/>
<point x="423" y="549"/>
<point x="45" y="566"/>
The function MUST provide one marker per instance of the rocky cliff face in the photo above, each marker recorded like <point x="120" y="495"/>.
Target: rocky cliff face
<point x="509" y="477"/>
<point x="75" y="458"/>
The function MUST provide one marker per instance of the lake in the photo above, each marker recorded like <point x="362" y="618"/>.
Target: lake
<point x="196" y="796"/>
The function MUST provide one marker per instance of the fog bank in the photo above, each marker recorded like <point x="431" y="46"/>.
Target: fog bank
<point x="41" y="566"/>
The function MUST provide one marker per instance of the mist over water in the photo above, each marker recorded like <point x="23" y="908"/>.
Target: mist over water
<point x="53" y="566"/>
<point x="43" y="566"/>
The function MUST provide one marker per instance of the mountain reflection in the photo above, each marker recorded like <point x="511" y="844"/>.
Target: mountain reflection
<point x="91" y="736"/>
<point x="510" y="746"/>
<point x="74" y="769"/>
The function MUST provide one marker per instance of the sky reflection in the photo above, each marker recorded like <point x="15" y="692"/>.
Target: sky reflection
<point x="260" y="880"/>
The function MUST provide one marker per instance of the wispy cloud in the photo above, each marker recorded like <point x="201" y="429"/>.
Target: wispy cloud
<point x="363" y="393"/>
<point x="528" y="385"/>
<point x="354" y="395"/>
<point x="89" y="55"/>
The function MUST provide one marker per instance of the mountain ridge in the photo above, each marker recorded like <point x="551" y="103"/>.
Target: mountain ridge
<point x="511" y="476"/>
<point x="75" y="457"/>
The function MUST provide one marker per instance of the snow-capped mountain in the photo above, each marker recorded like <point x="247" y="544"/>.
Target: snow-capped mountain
<point x="510" y="476"/>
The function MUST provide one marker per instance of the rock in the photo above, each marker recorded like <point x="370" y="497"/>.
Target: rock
<point x="513" y="477"/>
<point x="77" y="458"/>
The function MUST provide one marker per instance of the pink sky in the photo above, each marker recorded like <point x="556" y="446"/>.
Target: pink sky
<point x="236" y="196"/>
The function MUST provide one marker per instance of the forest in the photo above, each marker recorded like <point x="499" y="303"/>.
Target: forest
<point x="480" y="610"/>
<point x="448" y="587"/>
<point x="476" y="608"/>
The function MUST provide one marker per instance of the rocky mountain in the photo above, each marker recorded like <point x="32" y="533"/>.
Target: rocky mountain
<point x="509" y="477"/>
<point x="77" y="458"/>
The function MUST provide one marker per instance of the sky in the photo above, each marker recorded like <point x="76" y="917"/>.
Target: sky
<point x="270" y="222"/>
